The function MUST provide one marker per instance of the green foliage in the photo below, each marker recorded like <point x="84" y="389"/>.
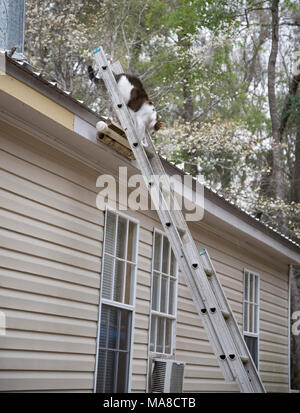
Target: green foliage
<point x="204" y="64"/>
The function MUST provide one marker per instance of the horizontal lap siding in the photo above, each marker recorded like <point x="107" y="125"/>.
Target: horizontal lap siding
<point x="52" y="235"/>
<point x="192" y="344"/>
<point x="50" y="284"/>
<point x="140" y="350"/>
<point x="50" y="260"/>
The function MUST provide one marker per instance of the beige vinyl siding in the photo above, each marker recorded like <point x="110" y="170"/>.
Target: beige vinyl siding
<point x="229" y="260"/>
<point x="202" y="373"/>
<point x="140" y="350"/>
<point x="50" y="266"/>
<point x="51" y="238"/>
<point x="52" y="235"/>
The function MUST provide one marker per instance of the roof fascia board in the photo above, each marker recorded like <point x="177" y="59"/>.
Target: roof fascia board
<point x="51" y="91"/>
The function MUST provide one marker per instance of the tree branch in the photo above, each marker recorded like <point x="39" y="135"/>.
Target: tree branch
<point x="276" y="183"/>
<point x="286" y="111"/>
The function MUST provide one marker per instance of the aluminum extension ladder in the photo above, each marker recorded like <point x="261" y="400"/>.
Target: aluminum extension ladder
<point x="221" y="327"/>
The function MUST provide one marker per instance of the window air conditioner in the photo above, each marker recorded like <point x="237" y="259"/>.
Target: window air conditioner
<point x="167" y="376"/>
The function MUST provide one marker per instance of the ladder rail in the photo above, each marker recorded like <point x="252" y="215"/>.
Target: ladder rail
<point x="184" y="248"/>
<point x="165" y="216"/>
<point x="193" y="287"/>
<point x="242" y="347"/>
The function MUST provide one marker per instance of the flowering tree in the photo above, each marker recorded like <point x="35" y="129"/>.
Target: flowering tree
<point x="209" y="67"/>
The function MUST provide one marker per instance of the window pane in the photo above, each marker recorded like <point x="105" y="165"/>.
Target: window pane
<point x="107" y="274"/>
<point x="168" y="336"/>
<point x="160" y="335"/>
<point x="125" y="329"/>
<point x="251" y="287"/>
<point x="123" y="364"/>
<point x="155" y="291"/>
<point x="110" y="371"/>
<point x="246" y="317"/>
<point x="153" y="333"/>
<point x="173" y="269"/>
<point x="119" y="279"/>
<point x="104" y="326"/>
<point x="113" y="357"/>
<point x="250" y="307"/>
<point x="251" y="321"/>
<point x="130" y="269"/>
<point x="117" y="324"/>
<point x="256" y="290"/>
<point x="110" y="233"/>
<point x="121" y="237"/>
<point x="252" y="343"/>
<point x="172" y="297"/>
<point x="246" y="288"/>
<point x="165" y="258"/>
<point x="163" y="295"/>
<point x="131" y="247"/>
<point x="113" y="336"/>
<point x="157" y="251"/>
<point x="255" y="319"/>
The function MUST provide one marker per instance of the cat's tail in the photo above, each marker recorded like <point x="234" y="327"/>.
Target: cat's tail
<point x="93" y="78"/>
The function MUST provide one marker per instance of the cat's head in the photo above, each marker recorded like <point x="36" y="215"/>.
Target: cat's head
<point x="159" y="124"/>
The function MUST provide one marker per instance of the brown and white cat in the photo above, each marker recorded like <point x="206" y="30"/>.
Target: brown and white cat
<point x="136" y="98"/>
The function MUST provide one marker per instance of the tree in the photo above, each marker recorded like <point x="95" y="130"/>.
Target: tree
<point x="277" y="178"/>
<point x="56" y="40"/>
<point x="219" y="73"/>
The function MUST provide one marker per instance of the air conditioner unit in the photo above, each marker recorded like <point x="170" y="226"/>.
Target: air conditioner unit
<point x="167" y="376"/>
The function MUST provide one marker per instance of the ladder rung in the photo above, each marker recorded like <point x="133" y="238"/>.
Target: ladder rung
<point x="244" y="359"/>
<point x="225" y="313"/>
<point x="208" y="272"/>
<point x="181" y="230"/>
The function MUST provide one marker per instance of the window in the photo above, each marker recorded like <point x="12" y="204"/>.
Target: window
<point x="163" y="296"/>
<point x="117" y="297"/>
<point x="251" y="313"/>
<point x="114" y="350"/>
<point x="119" y="262"/>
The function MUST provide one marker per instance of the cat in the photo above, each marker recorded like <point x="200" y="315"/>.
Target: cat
<point x="136" y="98"/>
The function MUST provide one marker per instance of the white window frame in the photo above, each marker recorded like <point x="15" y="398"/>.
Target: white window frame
<point x="105" y="301"/>
<point x="172" y="317"/>
<point x="246" y="300"/>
